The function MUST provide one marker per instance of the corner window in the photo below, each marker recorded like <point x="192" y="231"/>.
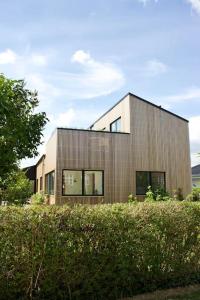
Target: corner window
<point x="116" y="125"/>
<point x="82" y="183"/>
<point x="49" y="183"/>
<point x="93" y="182"/>
<point x="144" y="179"/>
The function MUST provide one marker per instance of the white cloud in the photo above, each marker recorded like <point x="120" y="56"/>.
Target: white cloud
<point x="81" y="56"/>
<point x="154" y="67"/>
<point x="93" y="78"/>
<point x="8" y="57"/>
<point x="75" y="118"/>
<point x="195" y="5"/>
<point x="192" y="93"/>
<point x="38" y="59"/>
<point x="194" y="127"/>
<point x="66" y="118"/>
<point x="144" y="2"/>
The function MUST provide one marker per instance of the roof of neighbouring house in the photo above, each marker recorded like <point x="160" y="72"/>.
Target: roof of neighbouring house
<point x="30" y="172"/>
<point x="196" y="170"/>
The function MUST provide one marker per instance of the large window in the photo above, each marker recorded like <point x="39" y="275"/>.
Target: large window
<point x="144" y="179"/>
<point x="93" y="182"/>
<point x="83" y="183"/>
<point x="116" y="125"/>
<point x="72" y="182"/>
<point x="49" y="183"/>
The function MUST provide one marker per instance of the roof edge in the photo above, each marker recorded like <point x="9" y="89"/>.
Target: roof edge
<point x="89" y="130"/>
<point x="142" y="99"/>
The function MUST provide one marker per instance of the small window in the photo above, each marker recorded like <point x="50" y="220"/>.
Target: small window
<point x="49" y="183"/>
<point x="116" y="125"/>
<point x="37" y="188"/>
<point x="93" y="182"/>
<point x="144" y="179"/>
<point x="72" y="182"/>
<point x="41" y="185"/>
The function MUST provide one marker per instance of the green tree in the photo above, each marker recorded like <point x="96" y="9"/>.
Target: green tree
<point x="18" y="188"/>
<point x="20" y="126"/>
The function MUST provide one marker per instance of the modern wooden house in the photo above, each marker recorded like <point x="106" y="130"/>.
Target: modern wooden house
<point x="133" y="145"/>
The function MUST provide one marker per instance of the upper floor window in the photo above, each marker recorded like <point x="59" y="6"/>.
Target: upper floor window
<point x="144" y="179"/>
<point x="116" y="125"/>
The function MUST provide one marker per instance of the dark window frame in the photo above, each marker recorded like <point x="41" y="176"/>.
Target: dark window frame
<point x="83" y="183"/>
<point x="150" y="180"/>
<point x="41" y="183"/>
<point x="45" y="187"/>
<point x="113" y="123"/>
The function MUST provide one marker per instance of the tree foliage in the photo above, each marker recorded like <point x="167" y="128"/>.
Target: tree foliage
<point x="20" y="126"/>
<point x="18" y="188"/>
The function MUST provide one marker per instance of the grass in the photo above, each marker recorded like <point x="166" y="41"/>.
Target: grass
<point x="191" y="296"/>
<point x="191" y="292"/>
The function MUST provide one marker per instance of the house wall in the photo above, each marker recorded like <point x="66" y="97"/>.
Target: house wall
<point x="90" y="150"/>
<point x="40" y="171"/>
<point x="48" y="164"/>
<point x="160" y="143"/>
<point x="120" y="110"/>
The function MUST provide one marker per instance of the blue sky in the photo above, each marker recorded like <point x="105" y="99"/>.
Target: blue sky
<point x="83" y="56"/>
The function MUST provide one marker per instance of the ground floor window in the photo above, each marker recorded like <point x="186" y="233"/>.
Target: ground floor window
<point x="83" y="183"/>
<point x="144" y="179"/>
<point x="49" y="183"/>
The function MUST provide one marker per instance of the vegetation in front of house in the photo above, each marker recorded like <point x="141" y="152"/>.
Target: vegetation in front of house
<point x="17" y="188"/>
<point x="98" y="252"/>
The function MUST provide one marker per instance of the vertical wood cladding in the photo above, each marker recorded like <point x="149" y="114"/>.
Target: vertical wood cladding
<point x="155" y="140"/>
<point x="78" y="149"/>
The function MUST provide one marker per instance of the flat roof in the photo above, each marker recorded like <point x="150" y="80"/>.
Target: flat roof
<point x="95" y="131"/>
<point x="146" y="101"/>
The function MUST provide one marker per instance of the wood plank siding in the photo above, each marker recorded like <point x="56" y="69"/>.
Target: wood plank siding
<point x="152" y="139"/>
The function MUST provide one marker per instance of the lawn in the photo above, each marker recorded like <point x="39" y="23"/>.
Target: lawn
<point x="192" y="296"/>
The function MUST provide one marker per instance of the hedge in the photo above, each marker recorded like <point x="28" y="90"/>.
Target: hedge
<point x="98" y="252"/>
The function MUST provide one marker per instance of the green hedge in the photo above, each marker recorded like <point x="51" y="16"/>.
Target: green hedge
<point x="97" y="252"/>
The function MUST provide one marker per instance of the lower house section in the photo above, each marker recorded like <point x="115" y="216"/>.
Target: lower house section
<point x="92" y="167"/>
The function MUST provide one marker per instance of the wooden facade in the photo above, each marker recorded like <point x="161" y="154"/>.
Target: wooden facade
<point x="151" y="139"/>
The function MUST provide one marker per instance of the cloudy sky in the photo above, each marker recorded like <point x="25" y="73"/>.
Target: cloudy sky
<point x="83" y="56"/>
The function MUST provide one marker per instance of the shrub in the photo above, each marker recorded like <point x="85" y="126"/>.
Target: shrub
<point x="38" y="199"/>
<point x="158" y="195"/>
<point x="18" y="189"/>
<point x="194" y="196"/>
<point x="178" y="195"/>
<point x="97" y="252"/>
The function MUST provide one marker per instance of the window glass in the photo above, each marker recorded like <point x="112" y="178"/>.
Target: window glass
<point x="49" y="183"/>
<point x="41" y="183"/>
<point x="142" y="182"/>
<point x="116" y="126"/>
<point x="93" y="181"/>
<point x="157" y="180"/>
<point x="72" y="182"/>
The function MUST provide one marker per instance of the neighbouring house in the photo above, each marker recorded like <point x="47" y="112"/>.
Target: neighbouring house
<point x="133" y="145"/>
<point x="196" y="176"/>
<point x="31" y="175"/>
